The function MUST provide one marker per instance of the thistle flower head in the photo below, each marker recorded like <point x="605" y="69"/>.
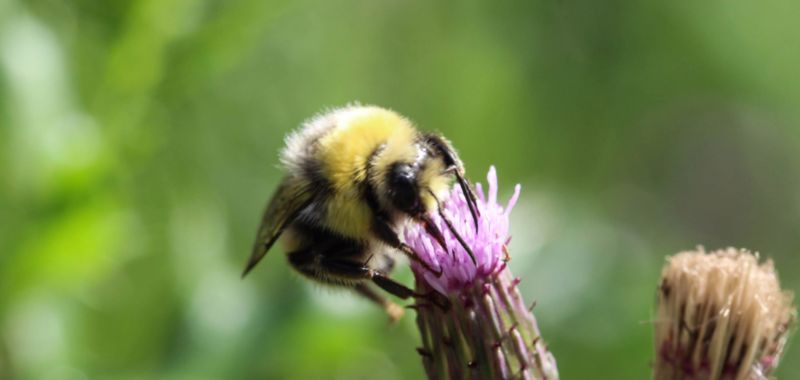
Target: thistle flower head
<point x="488" y="242"/>
<point x="484" y="330"/>
<point x="721" y="315"/>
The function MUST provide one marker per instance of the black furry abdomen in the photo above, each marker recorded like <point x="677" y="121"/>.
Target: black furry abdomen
<point x="330" y="258"/>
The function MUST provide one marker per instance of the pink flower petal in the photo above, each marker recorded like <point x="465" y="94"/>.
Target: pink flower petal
<point x="486" y="243"/>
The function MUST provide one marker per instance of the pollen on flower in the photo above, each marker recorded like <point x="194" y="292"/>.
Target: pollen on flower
<point x="487" y="243"/>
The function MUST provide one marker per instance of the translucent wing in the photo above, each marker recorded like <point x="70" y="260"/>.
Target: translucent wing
<point x="291" y="197"/>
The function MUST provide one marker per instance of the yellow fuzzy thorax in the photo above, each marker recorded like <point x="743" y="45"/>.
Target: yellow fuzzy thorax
<point x="347" y="148"/>
<point x="345" y="152"/>
<point x="432" y="178"/>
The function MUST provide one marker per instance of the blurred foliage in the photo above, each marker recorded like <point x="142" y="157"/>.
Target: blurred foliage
<point x="139" y="140"/>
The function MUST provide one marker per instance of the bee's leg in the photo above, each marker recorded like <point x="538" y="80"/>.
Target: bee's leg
<point x="337" y="270"/>
<point x="355" y="271"/>
<point x="386" y="234"/>
<point x="341" y="267"/>
<point x="393" y="310"/>
<point x="401" y="291"/>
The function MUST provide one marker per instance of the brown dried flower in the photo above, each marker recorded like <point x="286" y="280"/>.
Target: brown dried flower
<point x="721" y="315"/>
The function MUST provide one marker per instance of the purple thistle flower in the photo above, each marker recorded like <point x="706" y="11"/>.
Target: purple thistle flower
<point x="484" y="330"/>
<point x="488" y="242"/>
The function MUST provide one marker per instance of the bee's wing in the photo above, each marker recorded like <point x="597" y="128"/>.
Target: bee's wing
<point x="291" y="197"/>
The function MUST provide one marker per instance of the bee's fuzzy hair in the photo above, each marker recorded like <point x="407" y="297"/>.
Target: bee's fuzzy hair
<point x="302" y="144"/>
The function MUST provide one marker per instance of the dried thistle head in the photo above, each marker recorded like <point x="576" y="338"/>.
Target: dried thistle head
<point x="721" y="315"/>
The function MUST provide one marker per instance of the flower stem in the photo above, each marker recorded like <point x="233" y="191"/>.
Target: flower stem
<point x="487" y="332"/>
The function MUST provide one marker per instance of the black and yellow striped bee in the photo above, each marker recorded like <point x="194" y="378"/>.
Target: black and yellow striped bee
<point x="355" y="175"/>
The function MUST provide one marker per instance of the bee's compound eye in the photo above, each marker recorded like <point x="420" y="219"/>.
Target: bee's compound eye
<point x="403" y="187"/>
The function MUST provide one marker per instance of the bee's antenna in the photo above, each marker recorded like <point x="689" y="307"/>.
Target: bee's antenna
<point x="469" y="195"/>
<point x="458" y="236"/>
<point x="434" y="231"/>
<point x="453" y="229"/>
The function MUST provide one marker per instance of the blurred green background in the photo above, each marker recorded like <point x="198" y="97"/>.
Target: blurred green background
<point x="139" y="140"/>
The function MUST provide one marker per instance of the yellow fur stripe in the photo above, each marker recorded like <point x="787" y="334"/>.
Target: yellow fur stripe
<point x="433" y="179"/>
<point x="345" y="150"/>
<point x="344" y="153"/>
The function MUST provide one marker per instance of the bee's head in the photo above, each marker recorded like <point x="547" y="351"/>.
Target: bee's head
<point x="413" y="180"/>
<point x="412" y="188"/>
<point x="403" y="188"/>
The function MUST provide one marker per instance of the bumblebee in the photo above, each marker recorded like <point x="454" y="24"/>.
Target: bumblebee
<point x="355" y="176"/>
